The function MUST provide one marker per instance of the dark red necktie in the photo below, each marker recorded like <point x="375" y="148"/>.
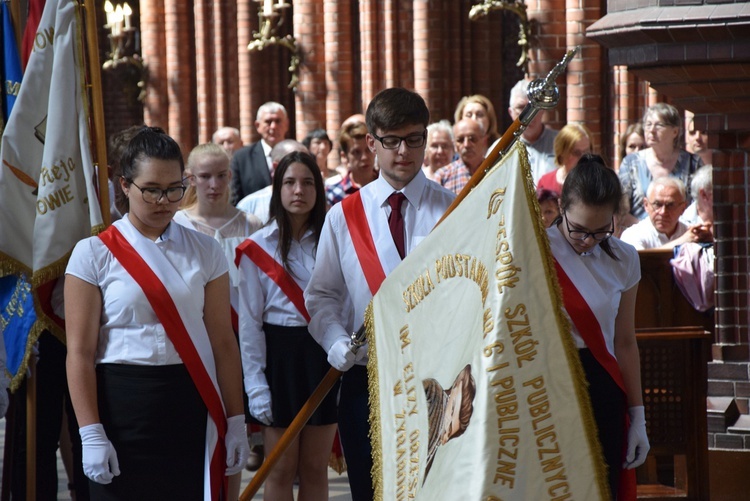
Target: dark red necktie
<point x="396" y="221"/>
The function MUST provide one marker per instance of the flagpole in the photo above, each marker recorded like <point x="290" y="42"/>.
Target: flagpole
<point x="98" y="134"/>
<point x="543" y="94"/>
<point x="31" y="431"/>
<point x="15" y="11"/>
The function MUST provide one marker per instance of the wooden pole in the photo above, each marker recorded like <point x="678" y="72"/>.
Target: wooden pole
<point x="97" y="129"/>
<point x="31" y="431"/>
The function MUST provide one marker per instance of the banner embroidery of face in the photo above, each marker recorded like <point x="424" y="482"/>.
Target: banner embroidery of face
<point x="476" y="391"/>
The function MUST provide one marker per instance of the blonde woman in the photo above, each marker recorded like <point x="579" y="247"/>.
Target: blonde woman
<point x="207" y="210"/>
<point x="571" y="143"/>
<point x="478" y="107"/>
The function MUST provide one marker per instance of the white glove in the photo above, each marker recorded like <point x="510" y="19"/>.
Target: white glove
<point x="341" y="357"/>
<point x="99" y="457"/>
<point x="637" y="440"/>
<point x="259" y="404"/>
<point x="236" y="442"/>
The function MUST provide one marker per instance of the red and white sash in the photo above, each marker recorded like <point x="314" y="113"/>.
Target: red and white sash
<point x="364" y="245"/>
<point x="275" y="272"/>
<point x="183" y="323"/>
<point x="578" y="301"/>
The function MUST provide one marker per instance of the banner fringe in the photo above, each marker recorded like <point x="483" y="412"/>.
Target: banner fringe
<point x="571" y="351"/>
<point x="373" y="387"/>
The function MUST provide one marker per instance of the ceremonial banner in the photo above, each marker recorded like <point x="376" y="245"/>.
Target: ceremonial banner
<point x="476" y="391"/>
<point x="48" y="198"/>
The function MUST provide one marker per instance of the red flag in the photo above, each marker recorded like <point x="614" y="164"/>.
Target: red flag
<point x="36" y="7"/>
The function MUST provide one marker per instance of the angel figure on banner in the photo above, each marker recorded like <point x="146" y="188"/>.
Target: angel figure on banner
<point x="448" y="411"/>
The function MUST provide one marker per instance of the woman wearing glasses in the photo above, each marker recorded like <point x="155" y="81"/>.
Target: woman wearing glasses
<point x="599" y="276"/>
<point x="663" y="156"/>
<point x="153" y="368"/>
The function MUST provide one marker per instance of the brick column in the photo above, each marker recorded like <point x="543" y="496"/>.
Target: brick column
<point x="310" y="95"/>
<point x="549" y="36"/>
<point x="206" y="78"/>
<point x="180" y="73"/>
<point x="731" y="173"/>
<point x="372" y="76"/>
<point x="584" y="86"/>
<point x="153" y="43"/>
<point x="247" y="21"/>
<point x="339" y="74"/>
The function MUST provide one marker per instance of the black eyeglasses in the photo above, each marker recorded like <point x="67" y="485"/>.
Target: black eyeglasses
<point x="393" y="142"/>
<point x="154" y="195"/>
<point x="581" y="235"/>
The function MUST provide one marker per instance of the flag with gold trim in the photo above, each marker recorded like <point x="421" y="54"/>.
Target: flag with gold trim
<point x="476" y="391"/>
<point x="48" y="197"/>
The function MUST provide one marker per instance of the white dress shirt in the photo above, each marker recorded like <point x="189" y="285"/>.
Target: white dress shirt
<point x="603" y="285"/>
<point x="257" y="203"/>
<point x="130" y="331"/>
<point x="338" y="283"/>
<point x="262" y="300"/>
<point x="644" y="235"/>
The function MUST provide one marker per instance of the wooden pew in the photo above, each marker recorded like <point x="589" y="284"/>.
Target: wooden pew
<point x="674" y="341"/>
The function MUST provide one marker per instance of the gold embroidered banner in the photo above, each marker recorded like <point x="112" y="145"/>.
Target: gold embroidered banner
<point x="476" y="392"/>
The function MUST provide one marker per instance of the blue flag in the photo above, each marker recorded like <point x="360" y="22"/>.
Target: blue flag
<point x="16" y="319"/>
<point x="11" y="67"/>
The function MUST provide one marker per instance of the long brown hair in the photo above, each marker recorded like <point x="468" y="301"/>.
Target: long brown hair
<point x="279" y="214"/>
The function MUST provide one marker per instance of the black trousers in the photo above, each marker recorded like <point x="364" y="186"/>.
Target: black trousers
<point x="52" y="400"/>
<point x="354" y="412"/>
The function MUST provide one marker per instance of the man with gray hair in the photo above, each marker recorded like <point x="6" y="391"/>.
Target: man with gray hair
<point x="440" y="147"/>
<point x="701" y="211"/>
<point x="662" y="229"/>
<point x="471" y="143"/>
<point x="228" y="138"/>
<point x="538" y="138"/>
<point x="251" y="166"/>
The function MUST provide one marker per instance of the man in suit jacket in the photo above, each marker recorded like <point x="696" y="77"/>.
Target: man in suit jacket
<point x="251" y="166"/>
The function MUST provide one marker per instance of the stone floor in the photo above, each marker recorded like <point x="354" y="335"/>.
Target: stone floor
<point x="338" y="485"/>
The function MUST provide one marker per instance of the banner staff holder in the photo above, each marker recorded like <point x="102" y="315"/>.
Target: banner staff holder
<point x="543" y="94"/>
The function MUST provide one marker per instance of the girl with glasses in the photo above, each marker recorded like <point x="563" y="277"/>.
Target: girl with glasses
<point x="153" y="367"/>
<point x="599" y="277"/>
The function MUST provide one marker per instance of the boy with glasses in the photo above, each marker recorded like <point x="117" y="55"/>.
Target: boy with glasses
<point x="363" y="239"/>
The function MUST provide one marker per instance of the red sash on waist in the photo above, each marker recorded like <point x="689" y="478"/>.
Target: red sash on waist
<point x="275" y="272"/>
<point x="364" y="246"/>
<point x="166" y="311"/>
<point x="591" y="332"/>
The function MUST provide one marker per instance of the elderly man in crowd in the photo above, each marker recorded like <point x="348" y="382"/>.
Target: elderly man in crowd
<point x="538" y="138"/>
<point x="251" y="166"/>
<point x="440" y="148"/>
<point x="228" y="138"/>
<point x="662" y="229"/>
<point x="471" y="143"/>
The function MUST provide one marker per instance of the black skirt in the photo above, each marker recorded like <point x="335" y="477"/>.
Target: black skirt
<point x="608" y="403"/>
<point x="295" y="365"/>
<point x="156" y="421"/>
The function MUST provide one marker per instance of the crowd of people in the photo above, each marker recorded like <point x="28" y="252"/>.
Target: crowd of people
<point x="232" y="316"/>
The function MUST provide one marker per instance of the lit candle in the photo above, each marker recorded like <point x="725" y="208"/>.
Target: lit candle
<point x="268" y="8"/>
<point x="118" y="20"/>
<point x="127" y="12"/>
<point x="109" y="11"/>
<point x="281" y="4"/>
